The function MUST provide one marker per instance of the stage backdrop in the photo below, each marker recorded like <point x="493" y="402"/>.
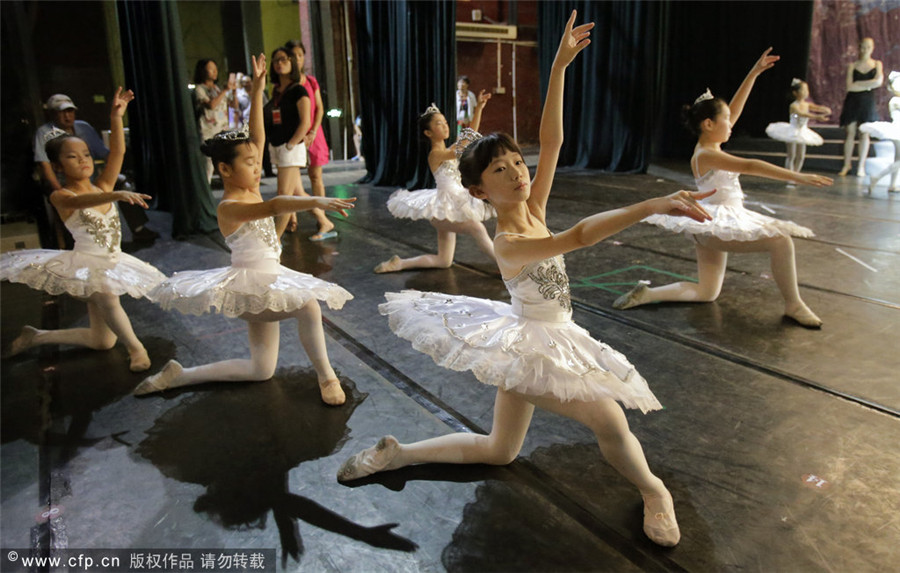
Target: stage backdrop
<point x="406" y="62"/>
<point x="164" y="137"/>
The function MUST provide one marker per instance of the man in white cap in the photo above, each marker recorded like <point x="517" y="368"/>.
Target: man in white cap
<point x="63" y="109"/>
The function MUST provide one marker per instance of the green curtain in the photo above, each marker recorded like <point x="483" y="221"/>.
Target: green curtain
<point x="407" y="60"/>
<point x="164" y="135"/>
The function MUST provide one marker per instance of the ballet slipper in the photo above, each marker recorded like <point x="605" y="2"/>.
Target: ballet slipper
<point x="659" y="520"/>
<point x="636" y="296"/>
<point x="23" y="342"/>
<point x="370" y="461"/>
<point x="159" y="381"/>
<point x="804" y="317"/>
<point x="140" y="360"/>
<point x="844" y="171"/>
<point x="332" y="393"/>
<point x="391" y="265"/>
<point x="860" y="172"/>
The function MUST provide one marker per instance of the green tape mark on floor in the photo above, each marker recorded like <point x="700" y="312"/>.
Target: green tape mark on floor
<point x="602" y="281"/>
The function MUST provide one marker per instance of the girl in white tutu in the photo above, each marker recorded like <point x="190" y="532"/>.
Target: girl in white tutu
<point x="255" y="288"/>
<point x="885" y="130"/>
<point x="449" y="207"/>
<point x="531" y="350"/>
<point x="797" y="134"/>
<point x="733" y="229"/>
<point x="96" y="270"/>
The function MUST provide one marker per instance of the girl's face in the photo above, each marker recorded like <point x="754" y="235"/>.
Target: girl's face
<point x="244" y="170"/>
<point x="505" y="180"/>
<point x="438" y="129"/>
<point x="299" y="57"/>
<point x="212" y="71"/>
<point x="75" y="161"/>
<point x="866" y="47"/>
<point x="282" y="62"/>
<point x="719" y="129"/>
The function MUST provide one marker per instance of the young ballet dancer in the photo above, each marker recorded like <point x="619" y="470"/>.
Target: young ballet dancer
<point x="888" y="131"/>
<point x="96" y="270"/>
<point x="449" y="207"/>
<point x="531" y="350"/>
<point x="255" y="288"/>
<point x="859" y="104"/>
<point x="797" y="134"/>
<point x="733" y="229"/>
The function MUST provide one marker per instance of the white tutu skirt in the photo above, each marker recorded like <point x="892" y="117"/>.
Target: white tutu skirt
<point x="882" y="130"/>
<point x="731" y="223"/>
<point x="438" y="204"/>
<point x="514" y="353"/>
<point x="784" y="131"/>
<point x="234" y="291"/>
<point x="80" y="274"/>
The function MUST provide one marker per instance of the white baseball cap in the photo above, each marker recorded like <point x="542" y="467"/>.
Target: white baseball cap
<point x="59" y="102"/>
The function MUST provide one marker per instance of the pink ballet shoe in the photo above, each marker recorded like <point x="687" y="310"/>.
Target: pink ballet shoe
<point x="140" y="361"/>
<point x="659" y="520"/>
<point x="370" y="461"/>
<point x="332" y="393"/>
<point x="844" y="171"/>
<point x="23" y="342"/>
<point x="391" y="265"/>
<point x="159" y="381"/>
<point x="635" y="297"/>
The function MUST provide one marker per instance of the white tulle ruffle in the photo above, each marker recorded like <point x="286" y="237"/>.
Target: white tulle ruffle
<point x="80" y="274"/>
<point x="784" y="131"/>
<point x="882" y="130"/>
<point x="438" y="204"/>
<point x="234" y="291"/>
<point x="731" y="223"/>
<point x="514" y="353"/>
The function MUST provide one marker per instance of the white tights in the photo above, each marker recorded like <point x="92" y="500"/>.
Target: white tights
<point x="891" y="169"/>
<point x="796" y="155"/>
<point x="512" y="416"/>
<point x="108" y="323"/>
<point x="263" y="330"/>
<point x="447" y="232"/>
<point x="712" y="255"/>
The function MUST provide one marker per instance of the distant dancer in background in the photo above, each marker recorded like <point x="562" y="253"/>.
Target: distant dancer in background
<point x="465" y="104"/>
<point x="863" y="76"/>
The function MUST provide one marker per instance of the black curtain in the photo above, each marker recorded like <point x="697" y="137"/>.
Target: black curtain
<point x="407" y="60"/>
<point x="612" y="97"/>
<point x="164" y="135"/>
<point x="714" y="44"/>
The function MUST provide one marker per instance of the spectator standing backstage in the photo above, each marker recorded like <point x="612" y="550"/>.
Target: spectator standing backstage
<point x="212" y="102"/>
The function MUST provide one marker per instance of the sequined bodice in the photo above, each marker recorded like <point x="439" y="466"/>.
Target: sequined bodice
<point x="727" y="185"/>
<point x="447" y="177"/>
<point x="96" y="233"/>
<point x="798" y="121"/>
<point x="541" y="290"/>
<point x="255" y="245"/>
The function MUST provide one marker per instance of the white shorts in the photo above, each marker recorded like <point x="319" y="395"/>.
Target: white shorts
<point x="282" y="157"/>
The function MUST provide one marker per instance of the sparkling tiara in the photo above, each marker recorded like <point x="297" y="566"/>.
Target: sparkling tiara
<point x="704" y="96"/>
<point x="431" y="109"/>
<point x="53" y="134"/>
<point x="233" y="135"/>
<point x="466" y="136"/>
<point x="796" y="82"/>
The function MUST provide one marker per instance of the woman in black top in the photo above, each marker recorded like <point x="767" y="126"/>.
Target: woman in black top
<point x="863" y="76"/>
<point x="287" y="122"/>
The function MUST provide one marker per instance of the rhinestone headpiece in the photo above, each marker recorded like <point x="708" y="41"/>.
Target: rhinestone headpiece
<point x="796" y="82"/>
<point x="242" y="134"/>
<point x="466" y="136"/>
<point x="54" y="133"/>
<point x="431" y="109"/>
<point x="704" y="96"/>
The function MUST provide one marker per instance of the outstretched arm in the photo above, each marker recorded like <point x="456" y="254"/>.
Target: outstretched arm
<point x="107" y="179"/>
<point x="257" y="127"/>
<point x="711" y="159"/>
<point x="479" y="107"/>
<point x="764" y="62"/>
<point x="551" y="133"/>
<point x="66" y="201"/>
<point x="238" y="212"/>
<point x="519" y="251"/>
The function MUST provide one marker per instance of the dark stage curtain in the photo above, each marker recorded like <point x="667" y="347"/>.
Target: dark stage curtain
<point x="612" y="96"/>
<point x="406" y="61"/>
<point x="714" y="44"/>
<point x="164" y="135"/>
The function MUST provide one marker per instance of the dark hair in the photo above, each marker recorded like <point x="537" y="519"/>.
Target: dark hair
<point x="223" y="146"/>
<point x="53" y="147"/>
<point x="795" y="87"/>
<point x="479" y="154"/>
<point x="424" y="123"/>
<point x="693" y="115"/>
<point x="295" y="72"/>
<point x="291" y="44"/>
<point x="200" y="74"/>
<point x="464" y="79"/>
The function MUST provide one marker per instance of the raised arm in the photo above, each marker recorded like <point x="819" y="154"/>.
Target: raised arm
<point x="519" y="251"/>
<point x="764" y="62"/>
<point x="107" y="179"/>
<point x="257" y="125"/>
<point x="551" y="133"/>
<point x="483" y="98"/>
